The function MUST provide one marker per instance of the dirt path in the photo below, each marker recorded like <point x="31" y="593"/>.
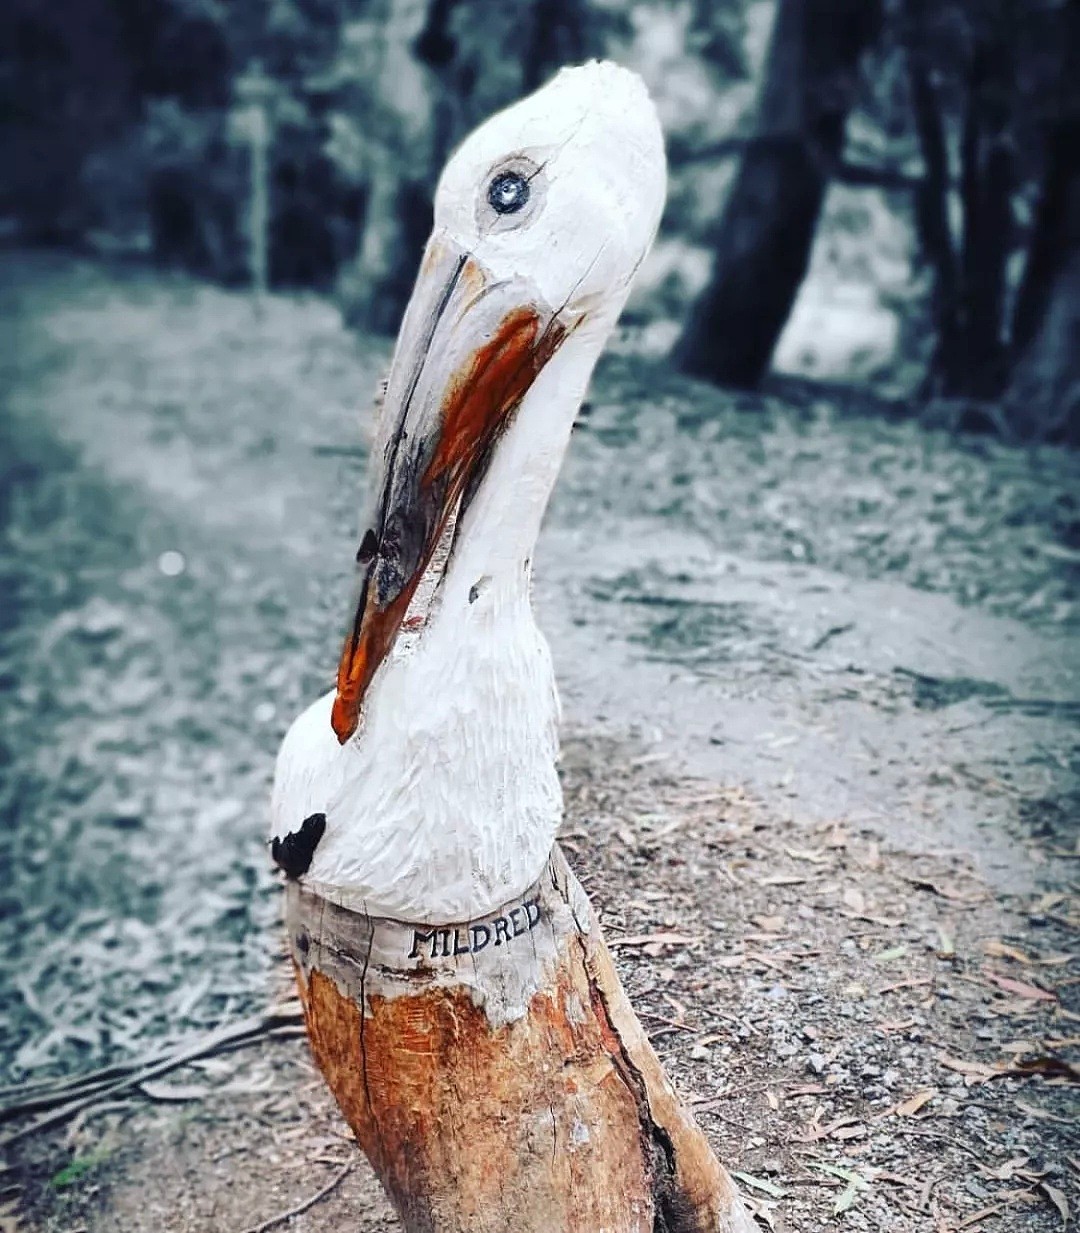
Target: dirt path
<point x="799" y="651"/>
<point x="856" y="1028"/>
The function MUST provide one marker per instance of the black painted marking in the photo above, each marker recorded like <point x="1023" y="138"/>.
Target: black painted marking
<point x="421" y="939"/>
<point x="472" y="939"/>
<point x="294" y="853"/>
<point x="369" y="545"/>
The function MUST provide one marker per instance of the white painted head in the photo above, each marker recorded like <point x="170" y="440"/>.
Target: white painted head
<point x="565" y="188"/>
<point x="439" y="791"/>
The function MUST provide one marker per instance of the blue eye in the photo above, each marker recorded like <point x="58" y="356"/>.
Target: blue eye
<point x="508" y="192"/>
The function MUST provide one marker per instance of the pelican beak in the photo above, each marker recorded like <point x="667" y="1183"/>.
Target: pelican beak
<point x="469" y="348"/>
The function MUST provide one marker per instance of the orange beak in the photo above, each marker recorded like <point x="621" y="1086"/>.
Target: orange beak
<point x="468" y="351"/>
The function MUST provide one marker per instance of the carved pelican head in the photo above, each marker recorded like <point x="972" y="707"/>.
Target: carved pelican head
<point x="542" y="217"/>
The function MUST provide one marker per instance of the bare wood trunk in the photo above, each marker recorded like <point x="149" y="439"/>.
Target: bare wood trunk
<point x="496" y="1076"/>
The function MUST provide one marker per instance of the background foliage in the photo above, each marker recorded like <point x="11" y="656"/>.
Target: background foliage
<point x="903" y="172"/>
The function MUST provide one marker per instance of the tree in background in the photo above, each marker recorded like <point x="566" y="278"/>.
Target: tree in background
<point x="120" y="131"/>
<point x="767" y="227"/>
<point x="66" y="86"/>
<point x="995" y="102"/>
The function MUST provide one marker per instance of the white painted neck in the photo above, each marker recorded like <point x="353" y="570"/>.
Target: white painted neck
<point x="446" y="802"/>
<point x="497" y="535"/>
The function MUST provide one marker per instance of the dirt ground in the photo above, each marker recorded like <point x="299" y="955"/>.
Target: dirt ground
<point x="820" y="768"/>
<point x="868" y="1038"/>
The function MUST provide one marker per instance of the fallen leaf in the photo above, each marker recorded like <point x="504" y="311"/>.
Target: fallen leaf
<point x="845" y="1199"/>
<point x="1057" y="1197"/>
<point x="769" y="924"/>
<point x="888" y="956"/>
<point x="814" y="856"/>
<point x="759" y="1183"/>
<point x="773" y="1101"/>
<point x="1018" y="1047"/>
<point x="1014" y="1008"/>
<point x="872" y="857"/>
<point x="974" y="1072"/>
<point x="855" y="1183"/>
<point x="834" y="1129"/>
<point x="911" y="1106"/>
<point x="806" y="1089"/>
<point x="1005" y="1172"/>
<point x="1000" y="950"/>
<point x="1034" y="1176"/>
<point x="946" y="943"/>
<point x="1049" y="901"/>
<point x="982" y="1214"/>
<point x="897" y="1179"/>
<point x="887" y="1026"/>
<point x="948" y="890"/>
<point x="846" y="1175"/>
<point x="1019" y="988"/>
<point x="761" y="1209"/>
<point x="854" y="899"/>
<point x="174" y="1092"/>
<point x="1047" y="1066"/>
<point x="1042" y="1115"/>
<point x="654" y="939"/>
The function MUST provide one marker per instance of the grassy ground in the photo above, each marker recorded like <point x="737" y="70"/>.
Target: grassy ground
<point x="874" y="1030"/>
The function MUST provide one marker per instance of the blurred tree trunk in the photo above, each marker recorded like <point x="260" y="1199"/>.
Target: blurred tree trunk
<point x="969" y="271"/>
<point x="1011" y="107"/>
<point x="767" y="227"/>
<point x="1043" y="398"/>
<point x="932" y="200"/>
<point x="396" y="224"/>
<point x="65" y="89"/>
<point x="987" y="181"/>
<point x="373" y="289"/>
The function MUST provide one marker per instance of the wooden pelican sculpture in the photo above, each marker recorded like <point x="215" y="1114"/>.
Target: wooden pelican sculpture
<point x="459" y="998"/>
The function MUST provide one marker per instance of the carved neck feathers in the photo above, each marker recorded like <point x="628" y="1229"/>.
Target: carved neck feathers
<point x="445" y="803"/>
<point x="441" y="801"/>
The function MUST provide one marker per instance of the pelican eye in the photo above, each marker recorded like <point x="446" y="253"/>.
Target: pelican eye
<point x="508" y="192"/>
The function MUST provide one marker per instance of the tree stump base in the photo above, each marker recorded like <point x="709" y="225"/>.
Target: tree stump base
<point x="495" y="1074"/>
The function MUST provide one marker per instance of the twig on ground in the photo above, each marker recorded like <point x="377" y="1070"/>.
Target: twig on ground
<point x="302" y="1207"/>
<point x="93" y="1089"/>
